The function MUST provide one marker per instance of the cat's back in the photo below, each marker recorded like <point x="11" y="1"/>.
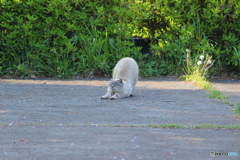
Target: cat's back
<point x="126" y="69"/>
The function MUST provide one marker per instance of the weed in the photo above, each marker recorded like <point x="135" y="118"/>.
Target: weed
<point x="170" y="126"/>
<point x="218" y="95"/>
<point x="237" y="110"/>
<point x="196" y="71"/>
<point x="199" y="66"/>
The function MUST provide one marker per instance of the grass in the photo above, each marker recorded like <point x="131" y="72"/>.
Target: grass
<point x="237" y="110"/>
<point x="201" y="81"/>
<point x="202" y="126"/>
<point x="219" y="95"/>
<point x="204" y="84"/>
<point x="168" y="126"/>
<point x="213" y="93"/>
<point x="196" y="73"/>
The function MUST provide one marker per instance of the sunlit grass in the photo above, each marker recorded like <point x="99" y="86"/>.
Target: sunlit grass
<point x="204" y="84"/>
<point x="237" y="110"/>
<point x="196" y="73"/>
<point x="219" y="95"/>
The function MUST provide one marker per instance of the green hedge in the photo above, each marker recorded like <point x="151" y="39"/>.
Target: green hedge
<point x="204" y="25"/>
<point x="61" y="38"/>
<point x="65" y="38"/>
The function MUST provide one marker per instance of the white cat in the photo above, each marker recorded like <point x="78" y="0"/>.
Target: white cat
<point x="125" y="77"/>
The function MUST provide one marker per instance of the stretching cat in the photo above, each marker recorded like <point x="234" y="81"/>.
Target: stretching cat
<point x="125" y="77"/>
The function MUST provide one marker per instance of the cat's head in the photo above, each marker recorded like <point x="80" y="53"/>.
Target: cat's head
<point x="116" y="85"/>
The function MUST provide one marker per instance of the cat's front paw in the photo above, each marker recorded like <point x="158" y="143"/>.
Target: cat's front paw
<point x="104" y="97"/>
<point x="112" y="98"/>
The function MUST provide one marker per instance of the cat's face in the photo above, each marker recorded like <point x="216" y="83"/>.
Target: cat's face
<point x="116" y="85"/>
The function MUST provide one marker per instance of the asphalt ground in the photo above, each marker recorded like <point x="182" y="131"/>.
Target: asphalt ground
<point x="66" y="119"/>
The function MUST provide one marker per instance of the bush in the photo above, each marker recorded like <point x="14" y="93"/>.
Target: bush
<point x="60" y="38"/>
<point x="211" y="26"/>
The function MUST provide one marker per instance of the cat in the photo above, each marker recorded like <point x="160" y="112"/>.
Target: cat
<point x="125" y="77"/>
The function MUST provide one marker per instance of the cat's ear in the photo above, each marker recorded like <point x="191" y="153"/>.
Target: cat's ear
<point x="120" y="80"/>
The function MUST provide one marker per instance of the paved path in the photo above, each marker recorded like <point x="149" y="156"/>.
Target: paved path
<point x="231" y="88"/>
<point x="44" y="119"/>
